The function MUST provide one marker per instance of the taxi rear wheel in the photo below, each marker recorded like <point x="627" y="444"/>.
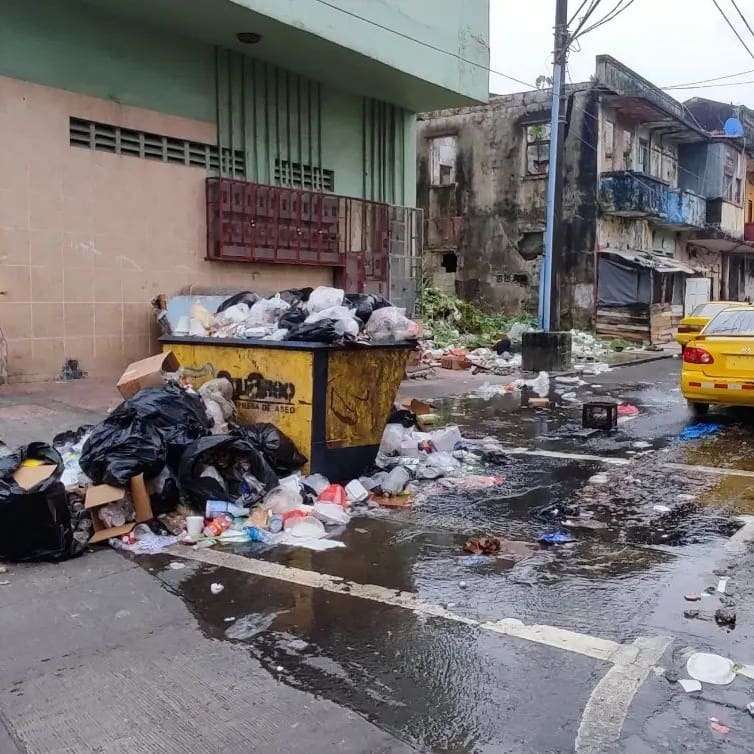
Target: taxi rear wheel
<point x="698" y="409"/>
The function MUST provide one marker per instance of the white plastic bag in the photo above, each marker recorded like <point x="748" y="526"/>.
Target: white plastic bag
<point x="540" y="384"/>
<point x="266" y="311"/>
<point x="331" y="513"/>
<point x="233" y="315"/>
<point x="445" y="439"/>
<point x="390" y="324"/>
<point x="392" y="438"/>
<point x="345" y="320"/>
<point x="307" y="527"/>
<point x="282" y="499"/>
<point x="324" y="297"/>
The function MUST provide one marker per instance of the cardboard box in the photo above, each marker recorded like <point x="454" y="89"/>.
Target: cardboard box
<point x="27" y="477"/>
<point x="146" y="373"/>
<point x="101" y="494"/>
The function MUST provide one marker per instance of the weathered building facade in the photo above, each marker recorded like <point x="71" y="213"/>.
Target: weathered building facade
<point x="652" y="204"/>
<point x="115" y="115"/>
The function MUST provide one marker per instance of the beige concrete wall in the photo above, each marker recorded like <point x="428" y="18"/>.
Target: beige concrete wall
<point x="88" y="238"/>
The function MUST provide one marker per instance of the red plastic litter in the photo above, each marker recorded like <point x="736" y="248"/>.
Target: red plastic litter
<point x="719" y="727"/>
<point x="627" y="409"/>
<point x="295" y="513"/>
<point x="335" y="493"/>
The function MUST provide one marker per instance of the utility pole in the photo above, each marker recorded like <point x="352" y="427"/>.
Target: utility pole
<point x="549" y="305"/>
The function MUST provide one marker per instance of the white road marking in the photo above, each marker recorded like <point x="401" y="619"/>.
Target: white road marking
<point x="615" y="461"/>
<point x="607" y="707"/>
<point x="715" y="470"/>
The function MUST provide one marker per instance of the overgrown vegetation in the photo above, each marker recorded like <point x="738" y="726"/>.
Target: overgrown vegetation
<point x="454" y="322"/>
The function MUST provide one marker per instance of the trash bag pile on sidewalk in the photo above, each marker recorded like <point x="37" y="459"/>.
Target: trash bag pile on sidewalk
<point x="321" y="315"/>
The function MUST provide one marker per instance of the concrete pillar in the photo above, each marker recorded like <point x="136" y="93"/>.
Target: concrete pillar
<point x="546" y="351"/>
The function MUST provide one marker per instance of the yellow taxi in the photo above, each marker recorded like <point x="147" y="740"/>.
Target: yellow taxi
<point x="718" y="364"/>
<point x="690" y="326"/>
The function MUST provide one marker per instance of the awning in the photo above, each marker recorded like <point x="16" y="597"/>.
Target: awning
<point x="656" y="262"/>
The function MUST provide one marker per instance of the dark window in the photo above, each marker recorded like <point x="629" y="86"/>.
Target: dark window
<point x="537" y="149"/>
<point x="450" y="262"/>
<point x="749" y="211"/>
<point x="644" y="158"/>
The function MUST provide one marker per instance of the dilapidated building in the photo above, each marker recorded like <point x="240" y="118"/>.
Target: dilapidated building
<point x="653" y="204"/>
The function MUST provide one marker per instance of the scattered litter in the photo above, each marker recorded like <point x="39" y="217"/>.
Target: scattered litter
<point x="718" y="727"/>
<point x="685" y="497"/>
<point x="356" y="492"/>
<point x="661" y="508"/>
<point x="699" y="431"/>
<point x="143" y="541"/>
<point x="627" y="409"/>
<point x="689" y="685"/>
<point x="725" y="616"/>
<point x="640" y="444"/>
<point x="750" y="708"/>
<point x="5" y="582"/>
<point x="722" y="585"/>
<point x="555" y="538"/>
<point x="216" y="588"/>
<point x="691" y="614"/>
<point x="711" y="668"/>
<point x="745" y="670"/>
<point x="503" y="548"/>
<point x="176" y="565"/>
<point x="229" y="619"/>
<point x="598" y="479"/>
<point x="462" y="584"/>
<point x="692" y="597"/>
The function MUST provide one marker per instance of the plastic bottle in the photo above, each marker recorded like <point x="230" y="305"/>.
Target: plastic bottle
<point x="220" y="507"/>
<point x="276" y="523"/>
<point x="217" y="526"/>
<point x="255" y="534"/>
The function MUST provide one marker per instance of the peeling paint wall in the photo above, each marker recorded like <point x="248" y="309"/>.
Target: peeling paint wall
<point x="500" y="209"/>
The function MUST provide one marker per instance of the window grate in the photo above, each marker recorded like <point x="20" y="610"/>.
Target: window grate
<point x="304" y="176"/>
<point x="104" y="137"/>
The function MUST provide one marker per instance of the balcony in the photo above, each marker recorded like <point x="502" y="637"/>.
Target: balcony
<point x="726" y="217"/>
<point x="636" y="195"/>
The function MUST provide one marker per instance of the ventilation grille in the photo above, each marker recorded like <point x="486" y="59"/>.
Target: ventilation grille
<point x="304" y="176"/>
<point x="125" y="141"/>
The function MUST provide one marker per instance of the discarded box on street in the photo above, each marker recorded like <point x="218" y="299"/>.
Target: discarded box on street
<point x="146" y="373"/>
<point x="27" y="477"/>
<point x="103" y="494"/>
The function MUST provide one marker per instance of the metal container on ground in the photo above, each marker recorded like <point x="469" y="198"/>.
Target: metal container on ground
<point x="332" y="401"/>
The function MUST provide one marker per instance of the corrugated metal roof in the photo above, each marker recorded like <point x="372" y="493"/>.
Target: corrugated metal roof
<point x="652" y="261"/>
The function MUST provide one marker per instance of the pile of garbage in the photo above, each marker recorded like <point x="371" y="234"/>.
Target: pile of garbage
<point x="321" y="315"/>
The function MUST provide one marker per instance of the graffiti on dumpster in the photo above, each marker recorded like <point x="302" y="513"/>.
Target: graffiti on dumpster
<point x="257" y="393"/>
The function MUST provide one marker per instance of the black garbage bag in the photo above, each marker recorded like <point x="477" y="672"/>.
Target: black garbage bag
<point x="277" y="448"/>
<point x="295" y="296"/>
<point x="323" y="331"/>
<point x="144" y="433"/>
<point x="402" y="416"/>
<point x="244" y="297"/>
<point x="35" y="524"/>
<point x="233" y="457"/>
<point x="293" y="317"/>
<point x="365" y="303"/>
<point x="71" y="436"/>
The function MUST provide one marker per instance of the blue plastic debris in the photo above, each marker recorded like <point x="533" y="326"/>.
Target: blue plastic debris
<point x="555" y="538"/>
<point x="699" y="431"/>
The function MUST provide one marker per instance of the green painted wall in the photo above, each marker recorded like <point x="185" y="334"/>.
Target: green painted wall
<point x="267" y="111"/>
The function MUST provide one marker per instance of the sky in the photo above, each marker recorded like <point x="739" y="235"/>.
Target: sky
<point x="666" y="41"/>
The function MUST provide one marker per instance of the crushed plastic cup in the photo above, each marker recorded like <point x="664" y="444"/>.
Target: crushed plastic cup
<point x="445" y="439"/>
<point x="356" y="492"/>
<point x="334" y="493"/>
<point x="709" y="668"/>
<point x="317" y="482"/>
<point x="331" y="513"/>
<point x="396" y="481"/>
<point x="282" y="499"/>
<point x="305" y="528"/>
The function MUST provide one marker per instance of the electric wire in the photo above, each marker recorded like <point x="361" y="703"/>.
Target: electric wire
<point x="733" y="28"/>
<point x="743" y="18"/>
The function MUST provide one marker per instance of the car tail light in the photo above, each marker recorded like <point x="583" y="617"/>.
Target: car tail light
<point x="687" y="328"/>
<point x="697" y="356"/>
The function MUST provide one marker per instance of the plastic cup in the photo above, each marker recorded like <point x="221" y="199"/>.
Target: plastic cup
<point x="194" y="526"/>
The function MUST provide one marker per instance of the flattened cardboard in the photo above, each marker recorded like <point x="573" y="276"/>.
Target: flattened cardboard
<point x="101" y="494"/>
<point x="146" y="373"/>
<point x="27" y="477"/>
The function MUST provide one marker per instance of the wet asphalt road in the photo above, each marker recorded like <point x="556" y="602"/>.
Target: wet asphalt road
<point x="440" y="685"/>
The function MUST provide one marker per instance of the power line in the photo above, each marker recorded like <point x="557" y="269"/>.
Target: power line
<point x="733" y="28"/>
<point x="705" y="81"/>
<point x="593" y="7"/>
<point x="577" y="11"/>
<point x="425" y="44"/>
<point x="614" y="13"/>
<point x="743" y="18"/>
<point x="712" y="86"/>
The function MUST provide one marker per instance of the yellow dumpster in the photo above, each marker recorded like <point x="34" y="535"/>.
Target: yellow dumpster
<point x="332" y="401"/>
